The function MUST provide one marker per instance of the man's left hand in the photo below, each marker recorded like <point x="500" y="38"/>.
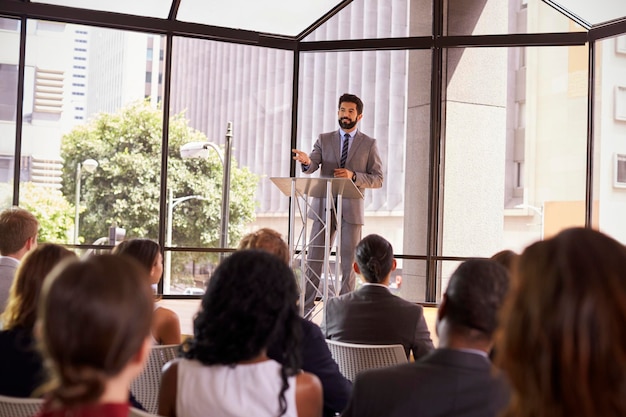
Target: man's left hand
<point x="342" y="173"/>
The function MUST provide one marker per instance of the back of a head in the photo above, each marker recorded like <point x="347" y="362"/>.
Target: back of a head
<point x="506" y="258"/>
<point x="16" y="227"/>
<point x="95" y="316"/>
<point x="142" y="250"/>
<point x="374" y="255"/>
<point x="250" y="295"/>
<point x="21" y="307"/>
<point x="268" y="240"/>
<point x="564" y="343"/>
<point x="475" y="294"/>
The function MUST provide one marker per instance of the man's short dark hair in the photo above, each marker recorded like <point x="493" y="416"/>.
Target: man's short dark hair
<point x="351" y="98"/>
<point x="475" y="294"/>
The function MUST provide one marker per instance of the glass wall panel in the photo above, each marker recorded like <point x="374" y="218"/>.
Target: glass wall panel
<point x="445" y="271"/>
<point x="490" y="17"/>
<point x="515" y="147"/>
<point x="609" y="199"/>
<point x="9" y="60"/>
<point x="91" y="141"/>
<point x="216" y="85"/>
<point x="395" y="89"/>
<point x="409" y="280"/>
<point x="377" y="19"/>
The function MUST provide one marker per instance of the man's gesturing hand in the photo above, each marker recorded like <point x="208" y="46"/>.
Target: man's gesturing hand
<point x="301" y="157"/>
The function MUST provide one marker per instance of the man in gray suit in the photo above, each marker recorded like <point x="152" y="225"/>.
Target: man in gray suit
<point x="344" y="153"/>
<point x="18" y="235"/>
<point x="456" y="379"/>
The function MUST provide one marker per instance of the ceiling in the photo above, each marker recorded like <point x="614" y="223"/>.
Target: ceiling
<point x="278" y="17"/>
<point x="591" y="13"/>
<point x="266" y="22"/>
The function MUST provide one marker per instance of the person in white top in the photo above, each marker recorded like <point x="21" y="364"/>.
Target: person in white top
<point x="225" y="370"/>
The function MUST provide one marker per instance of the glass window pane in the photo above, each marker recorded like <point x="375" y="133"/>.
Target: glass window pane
<point x="395" y="89"/>
<point x="91" y="142"/>
<point x="510" y="180"/>
<point x="609" y="199"/>
<point x="409" y="280"/>
<point x="190" y="272"/>
<point x="9" y="59"/>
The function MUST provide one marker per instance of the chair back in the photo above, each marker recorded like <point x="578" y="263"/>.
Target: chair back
<point x="353" y="358"/>
<point x="135" y="412"/>
<point x="146" y="386"/>
<point x="19" y="407"/>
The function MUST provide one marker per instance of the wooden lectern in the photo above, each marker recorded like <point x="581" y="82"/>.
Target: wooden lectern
<point x="331" y="189"/>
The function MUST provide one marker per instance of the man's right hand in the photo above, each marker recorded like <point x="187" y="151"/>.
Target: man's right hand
<point x="301" y="157"/>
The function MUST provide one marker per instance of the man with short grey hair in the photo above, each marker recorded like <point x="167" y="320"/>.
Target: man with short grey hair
<point x="18" y="235"/>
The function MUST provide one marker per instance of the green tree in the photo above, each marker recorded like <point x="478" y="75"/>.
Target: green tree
<point x="125" y="188"/>
<point x="54" y="212"/>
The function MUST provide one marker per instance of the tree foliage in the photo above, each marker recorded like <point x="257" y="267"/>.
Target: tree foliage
<point x="125" y="188"/>
<point x="54" y="212"/>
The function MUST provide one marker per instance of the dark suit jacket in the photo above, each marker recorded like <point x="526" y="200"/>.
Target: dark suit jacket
<point x="446" y="382"/>
<point x="372" y="315"/>
<point x="21" y="368"/>
<point x="316" y="359"/>
<point x="363" y="159"/>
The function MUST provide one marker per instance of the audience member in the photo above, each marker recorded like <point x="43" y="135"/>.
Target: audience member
<point x="18" y="232"/>
<point x="316" y="358"/>
<point x="21" y="366"/>
<point x="457" y="378"/>
<point x="372" y="314"/>
<point x="225" y="370"/>
<point x="94" y="321"/>
<point x="165" y="322"/>
<point x="506" y="258"/>
<point x="564" y="342"/>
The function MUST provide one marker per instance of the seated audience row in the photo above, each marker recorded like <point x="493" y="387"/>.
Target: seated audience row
<point x="560" y="339"/>
<point x="457" y="378"/>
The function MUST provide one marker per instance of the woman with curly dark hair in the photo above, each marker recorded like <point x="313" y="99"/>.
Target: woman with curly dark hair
<point x="225" y="370"/>
<point x="563" y="342"/>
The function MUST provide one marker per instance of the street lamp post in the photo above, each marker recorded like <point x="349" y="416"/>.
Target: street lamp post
<point x="171" y="203"/>
<point x="90" y="166"/>
<point x="200" y="150"/>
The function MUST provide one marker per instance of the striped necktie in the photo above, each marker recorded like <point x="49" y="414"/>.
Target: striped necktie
<point x="344" y="150"/>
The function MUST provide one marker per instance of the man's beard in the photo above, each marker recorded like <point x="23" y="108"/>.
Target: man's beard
<point x="347" y="124"/>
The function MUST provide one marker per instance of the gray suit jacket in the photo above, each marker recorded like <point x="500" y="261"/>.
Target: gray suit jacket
<point x="373" y="315"/>
<point x="8" y="267"/>
<point x="363" y="159"/>
<point x="446" y="382"/>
